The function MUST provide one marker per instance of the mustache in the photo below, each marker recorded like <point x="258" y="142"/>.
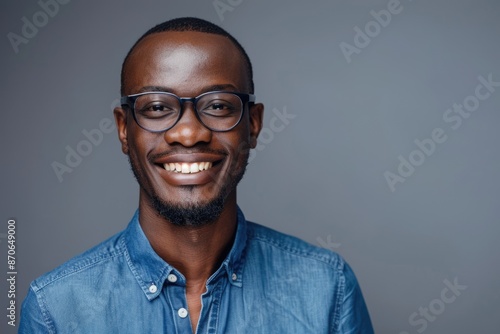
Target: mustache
<point x="156" y="156"/>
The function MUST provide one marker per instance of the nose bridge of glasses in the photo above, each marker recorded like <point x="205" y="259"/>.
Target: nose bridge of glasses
<point x="183" y="100"/>
<point x="185" y="106"/>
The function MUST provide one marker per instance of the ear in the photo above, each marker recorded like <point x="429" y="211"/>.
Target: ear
<point x="256" y="116"/>
<point x="121" y="126"/>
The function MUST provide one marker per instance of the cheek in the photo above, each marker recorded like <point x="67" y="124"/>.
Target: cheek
<point x="139" y="144"/>
<point x="241" y="151"/>
<point x="244" y="140"/>
<point x="133" y="145"/>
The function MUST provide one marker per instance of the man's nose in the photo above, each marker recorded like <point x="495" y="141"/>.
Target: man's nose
<point x="188" y="131"/>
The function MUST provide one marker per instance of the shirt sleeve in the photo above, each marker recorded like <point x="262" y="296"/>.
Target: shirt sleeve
<point x="354" y="318"/>
<point x="32" y="318"/>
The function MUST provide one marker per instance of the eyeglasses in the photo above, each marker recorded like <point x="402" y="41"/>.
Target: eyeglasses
<point x="160" y="111"/>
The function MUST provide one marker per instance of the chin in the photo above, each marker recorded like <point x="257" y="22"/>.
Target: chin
<point x="189" y="215"/>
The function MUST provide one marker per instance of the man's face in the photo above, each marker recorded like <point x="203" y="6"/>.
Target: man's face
<point x="187" y="64"/>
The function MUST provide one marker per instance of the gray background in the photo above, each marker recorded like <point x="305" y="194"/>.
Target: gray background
<point x="321" y="178"/>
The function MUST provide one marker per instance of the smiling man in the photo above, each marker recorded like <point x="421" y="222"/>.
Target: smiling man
<point x="189" y="262"/>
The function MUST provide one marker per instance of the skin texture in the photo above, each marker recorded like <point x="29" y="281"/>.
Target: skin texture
<point x="188" y="64"/>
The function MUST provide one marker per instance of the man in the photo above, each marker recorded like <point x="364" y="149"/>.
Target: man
<point x="189" y="262"/>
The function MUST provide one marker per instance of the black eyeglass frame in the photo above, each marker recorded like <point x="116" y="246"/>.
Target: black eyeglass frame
<point x="129" y="101"/>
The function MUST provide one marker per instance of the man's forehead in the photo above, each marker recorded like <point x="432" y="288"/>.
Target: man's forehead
<point x="185" y="53"/>
<point x="170" y="41"/>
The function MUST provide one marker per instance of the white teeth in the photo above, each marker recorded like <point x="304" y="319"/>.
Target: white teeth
<point x="187" y="168"/>
<point x="194" y="168"/>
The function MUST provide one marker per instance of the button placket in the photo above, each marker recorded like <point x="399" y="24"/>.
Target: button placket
<point x="175" y="291"/>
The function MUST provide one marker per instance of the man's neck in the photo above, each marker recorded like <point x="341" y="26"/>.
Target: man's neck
<point x="196" y="252"/>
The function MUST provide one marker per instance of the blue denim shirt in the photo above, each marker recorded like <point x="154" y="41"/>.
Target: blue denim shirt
<point x="269" y="283"/>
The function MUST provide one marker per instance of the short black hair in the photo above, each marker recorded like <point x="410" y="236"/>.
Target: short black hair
<point x="191" y="24"/>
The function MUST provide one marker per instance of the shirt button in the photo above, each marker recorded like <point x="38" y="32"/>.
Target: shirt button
<point x="182" y="312"/>
<point x="153" y="288"/>
<point x="172" y="278"/>
<point x="234" y="277"/>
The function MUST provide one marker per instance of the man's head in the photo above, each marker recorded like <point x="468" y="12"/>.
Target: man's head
<point x="188" y="173"/>
<point x="191" y="24"/>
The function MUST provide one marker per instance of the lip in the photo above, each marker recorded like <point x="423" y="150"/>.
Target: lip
<point x="189" y="157"/>
<point x="192" y="179"/>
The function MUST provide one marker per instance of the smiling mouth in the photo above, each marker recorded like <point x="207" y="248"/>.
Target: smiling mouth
<point x="187" y="167"/>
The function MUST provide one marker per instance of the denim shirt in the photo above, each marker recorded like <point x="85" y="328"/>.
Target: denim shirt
<point x="269" y="283"/>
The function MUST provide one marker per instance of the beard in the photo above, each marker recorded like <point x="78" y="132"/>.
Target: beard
<point x="191" y="214"/>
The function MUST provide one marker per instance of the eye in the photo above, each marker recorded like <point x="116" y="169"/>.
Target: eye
<point x="217" y="106"/>
<point x="158" y="107"/>
<point x="156" y="110"/>
<point x="218" y="109"/>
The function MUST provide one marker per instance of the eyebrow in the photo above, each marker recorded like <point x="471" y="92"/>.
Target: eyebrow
<point x="226" y="87"/>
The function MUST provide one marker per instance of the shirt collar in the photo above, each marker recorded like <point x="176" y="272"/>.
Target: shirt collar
<point x="233" y="264"/>
<point x="151" y="271"/>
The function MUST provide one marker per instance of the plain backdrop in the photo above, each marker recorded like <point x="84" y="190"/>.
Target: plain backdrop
<point x="321" y="176"/>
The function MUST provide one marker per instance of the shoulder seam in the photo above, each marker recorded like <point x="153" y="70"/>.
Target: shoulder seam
<point x="78" y="267"/>
<point x="41" y="304"/>
<point x="339" y="302"/>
